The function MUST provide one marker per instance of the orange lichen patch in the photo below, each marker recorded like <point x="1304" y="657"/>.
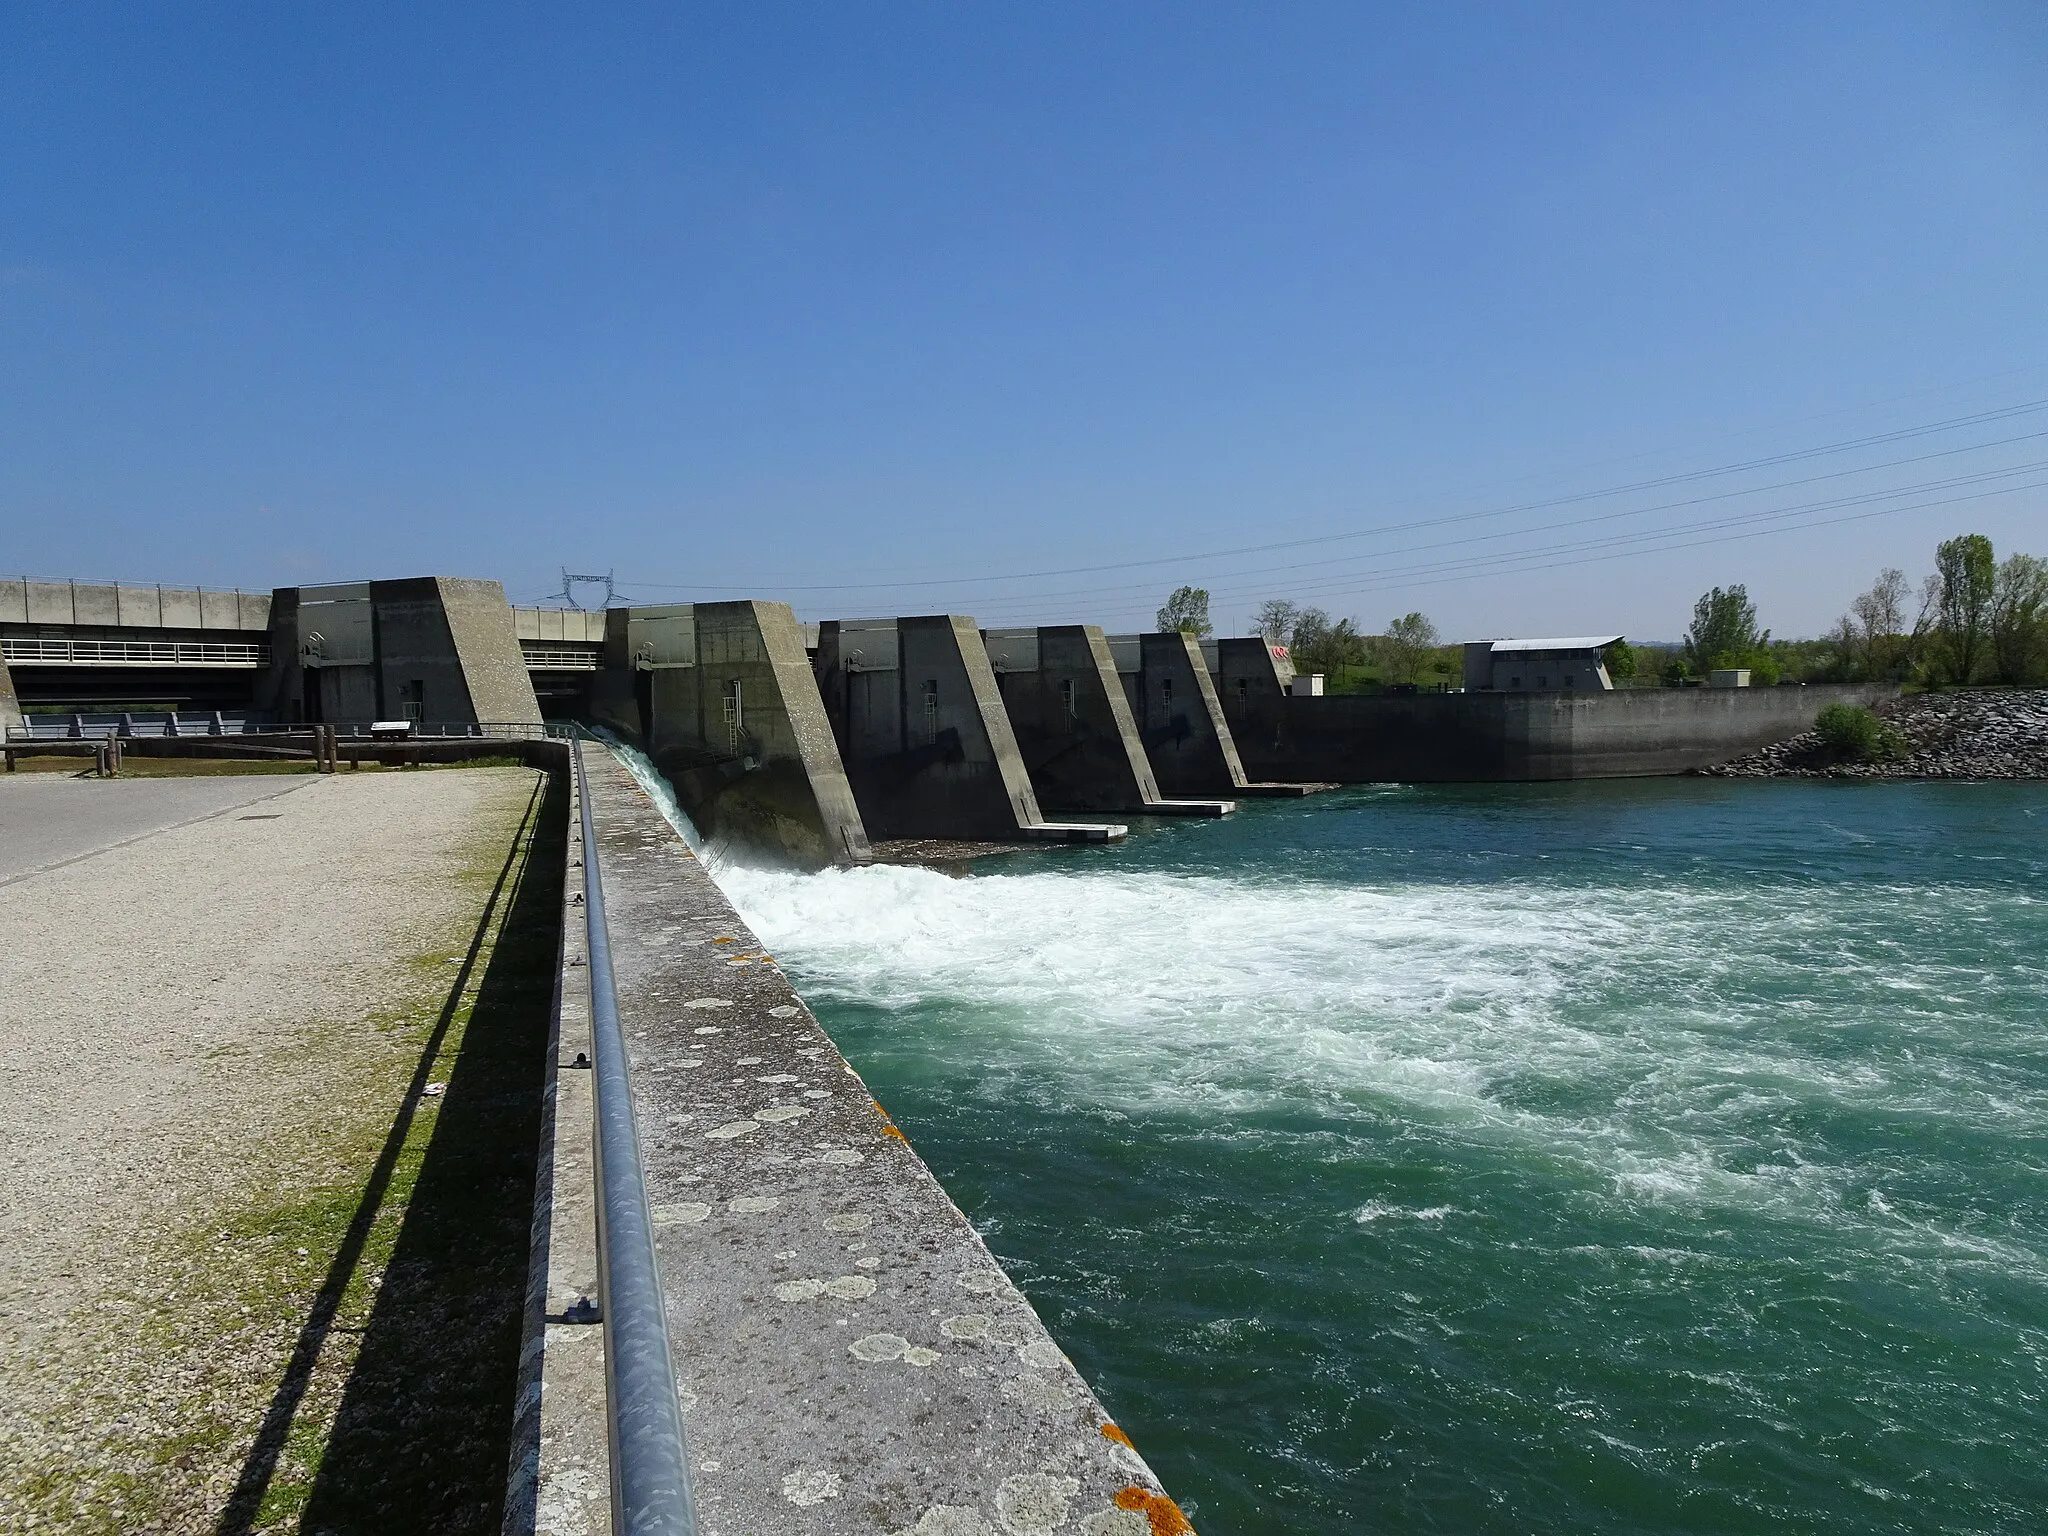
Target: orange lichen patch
<point x="725" y="938"/>
<point x="1160" y="1512"/>
<point x="890" y="1130"/>
<point x="1111" y="1432"/>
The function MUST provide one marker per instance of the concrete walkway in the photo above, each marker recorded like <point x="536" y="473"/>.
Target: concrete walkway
<point x="851" y="1357"/>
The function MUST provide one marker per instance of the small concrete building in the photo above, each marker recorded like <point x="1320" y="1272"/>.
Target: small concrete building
<point x="1571" y="664"/>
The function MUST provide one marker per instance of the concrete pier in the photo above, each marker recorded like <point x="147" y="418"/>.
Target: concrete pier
<point x="850" y="1357"/>
<point x="1181" y="720"/>
<point x="721" y="696"/>
<point x="925" y="736"/>
<point x="1074" y="726"/>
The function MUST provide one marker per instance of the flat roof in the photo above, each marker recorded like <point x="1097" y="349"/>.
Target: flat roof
<point x="1564" y="643"/>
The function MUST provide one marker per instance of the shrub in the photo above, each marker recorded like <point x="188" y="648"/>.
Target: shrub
<point x="1851" y="731"/>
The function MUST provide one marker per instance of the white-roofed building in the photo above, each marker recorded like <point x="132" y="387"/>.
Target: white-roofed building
<point x="1564" y="664"/>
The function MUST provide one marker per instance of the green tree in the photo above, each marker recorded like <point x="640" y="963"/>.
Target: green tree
<point x="2019" y="618"/>
<point x="1724" y="632"/>
<point x="1965" y="572"/>
<point x="1187" y="610"/>
<point x="1407" y="643"/>
<point x="1620" y="660"/>
<point x="1276" y="620"/>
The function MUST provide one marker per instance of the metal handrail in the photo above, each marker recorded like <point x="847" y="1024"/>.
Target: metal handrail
<point x="650" y="1467"/>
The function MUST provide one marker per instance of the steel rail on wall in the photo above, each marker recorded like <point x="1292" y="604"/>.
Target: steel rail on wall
<point x="650" y="1465"/>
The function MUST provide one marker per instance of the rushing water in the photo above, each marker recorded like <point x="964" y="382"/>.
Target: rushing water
<point x="1617" y="1157"/>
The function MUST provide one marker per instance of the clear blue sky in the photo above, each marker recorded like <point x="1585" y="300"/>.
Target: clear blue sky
<point x="753" y="299"/>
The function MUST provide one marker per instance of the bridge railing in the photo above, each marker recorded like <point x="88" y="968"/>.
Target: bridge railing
<point x="144" y="725"/>
<point x="649" y="1462"/>
<point x="36" y="652"/>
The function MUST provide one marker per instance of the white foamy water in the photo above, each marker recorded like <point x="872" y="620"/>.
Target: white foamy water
<point x="1665" y="1043"/>
<point x="1660" y="1051"/>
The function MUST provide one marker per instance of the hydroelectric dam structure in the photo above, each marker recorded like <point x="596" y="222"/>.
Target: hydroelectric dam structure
<point x="750" y="1305"/>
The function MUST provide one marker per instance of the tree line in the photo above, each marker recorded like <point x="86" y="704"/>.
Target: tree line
<point x="1974" y="619"/>
<point x="1407" y="652"/>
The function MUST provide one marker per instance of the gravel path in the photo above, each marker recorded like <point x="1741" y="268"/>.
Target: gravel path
<point x="181" y="1014"/>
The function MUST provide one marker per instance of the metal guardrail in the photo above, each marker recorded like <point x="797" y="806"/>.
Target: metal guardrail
<point x="650" y="1466"/>
<point x="135" y="653"/>
<point x="542" y="657"/>
<point x="142" y="725"/>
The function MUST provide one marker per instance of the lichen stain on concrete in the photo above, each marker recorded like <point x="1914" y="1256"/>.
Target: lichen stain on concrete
<point x="708" y="1002"/>
<point x="971" y="1325"/>
<point x="920" y="1357"/>
<point x="783" y="1012"/>
<point x="948" y="1520"/>
<point x="1160" y="1512"/>
<point x="1044" y="1355"/>
<point x="878" y="1347"/>
<point x="1038" y="1392"/>
<point x="983" y="1282"/>
<point x="707" y="1029"/>
<point x="780" y="1113"/>
<point x="851" y="1287"/>
<point x="1035" y="1503"/>
<point x="841" y="1157"/>
<point x="849" y="1221"/>
<point x="1116" y="1522"/>
<point x="680" y="1214"/>
<point x="733" y="1129"/>
<point x="800" y="1290"/>
<point x="753" y="1205"/>
<point x="805" y="1488"/>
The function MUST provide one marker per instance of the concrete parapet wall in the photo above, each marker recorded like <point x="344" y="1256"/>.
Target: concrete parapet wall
<point x="1478" y="737"/>
<point x="577" y="626"/>
<point x="125" y="605"/>
<point x="850" y="1357"/>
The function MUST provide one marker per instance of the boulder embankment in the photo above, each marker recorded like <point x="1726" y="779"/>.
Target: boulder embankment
<point x="1972" y="734"/>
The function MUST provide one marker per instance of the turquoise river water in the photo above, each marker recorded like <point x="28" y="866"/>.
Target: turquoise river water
<point x="1630" y="1157"/>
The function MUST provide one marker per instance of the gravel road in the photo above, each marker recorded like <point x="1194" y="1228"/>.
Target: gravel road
<point x="178" y="1009"/>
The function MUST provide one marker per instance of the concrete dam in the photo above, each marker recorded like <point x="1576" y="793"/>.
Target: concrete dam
<point x="819" y="744"/>
<point x="749" y="1305"/>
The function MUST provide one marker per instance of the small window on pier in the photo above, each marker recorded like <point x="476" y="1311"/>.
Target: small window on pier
<point x="1067" y="703"/>
<point x="931" y="709"/>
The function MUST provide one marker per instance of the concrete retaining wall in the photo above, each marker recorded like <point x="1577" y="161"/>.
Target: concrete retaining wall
<point x="1477" y="737"/>
<point x="850" y="1356"/>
